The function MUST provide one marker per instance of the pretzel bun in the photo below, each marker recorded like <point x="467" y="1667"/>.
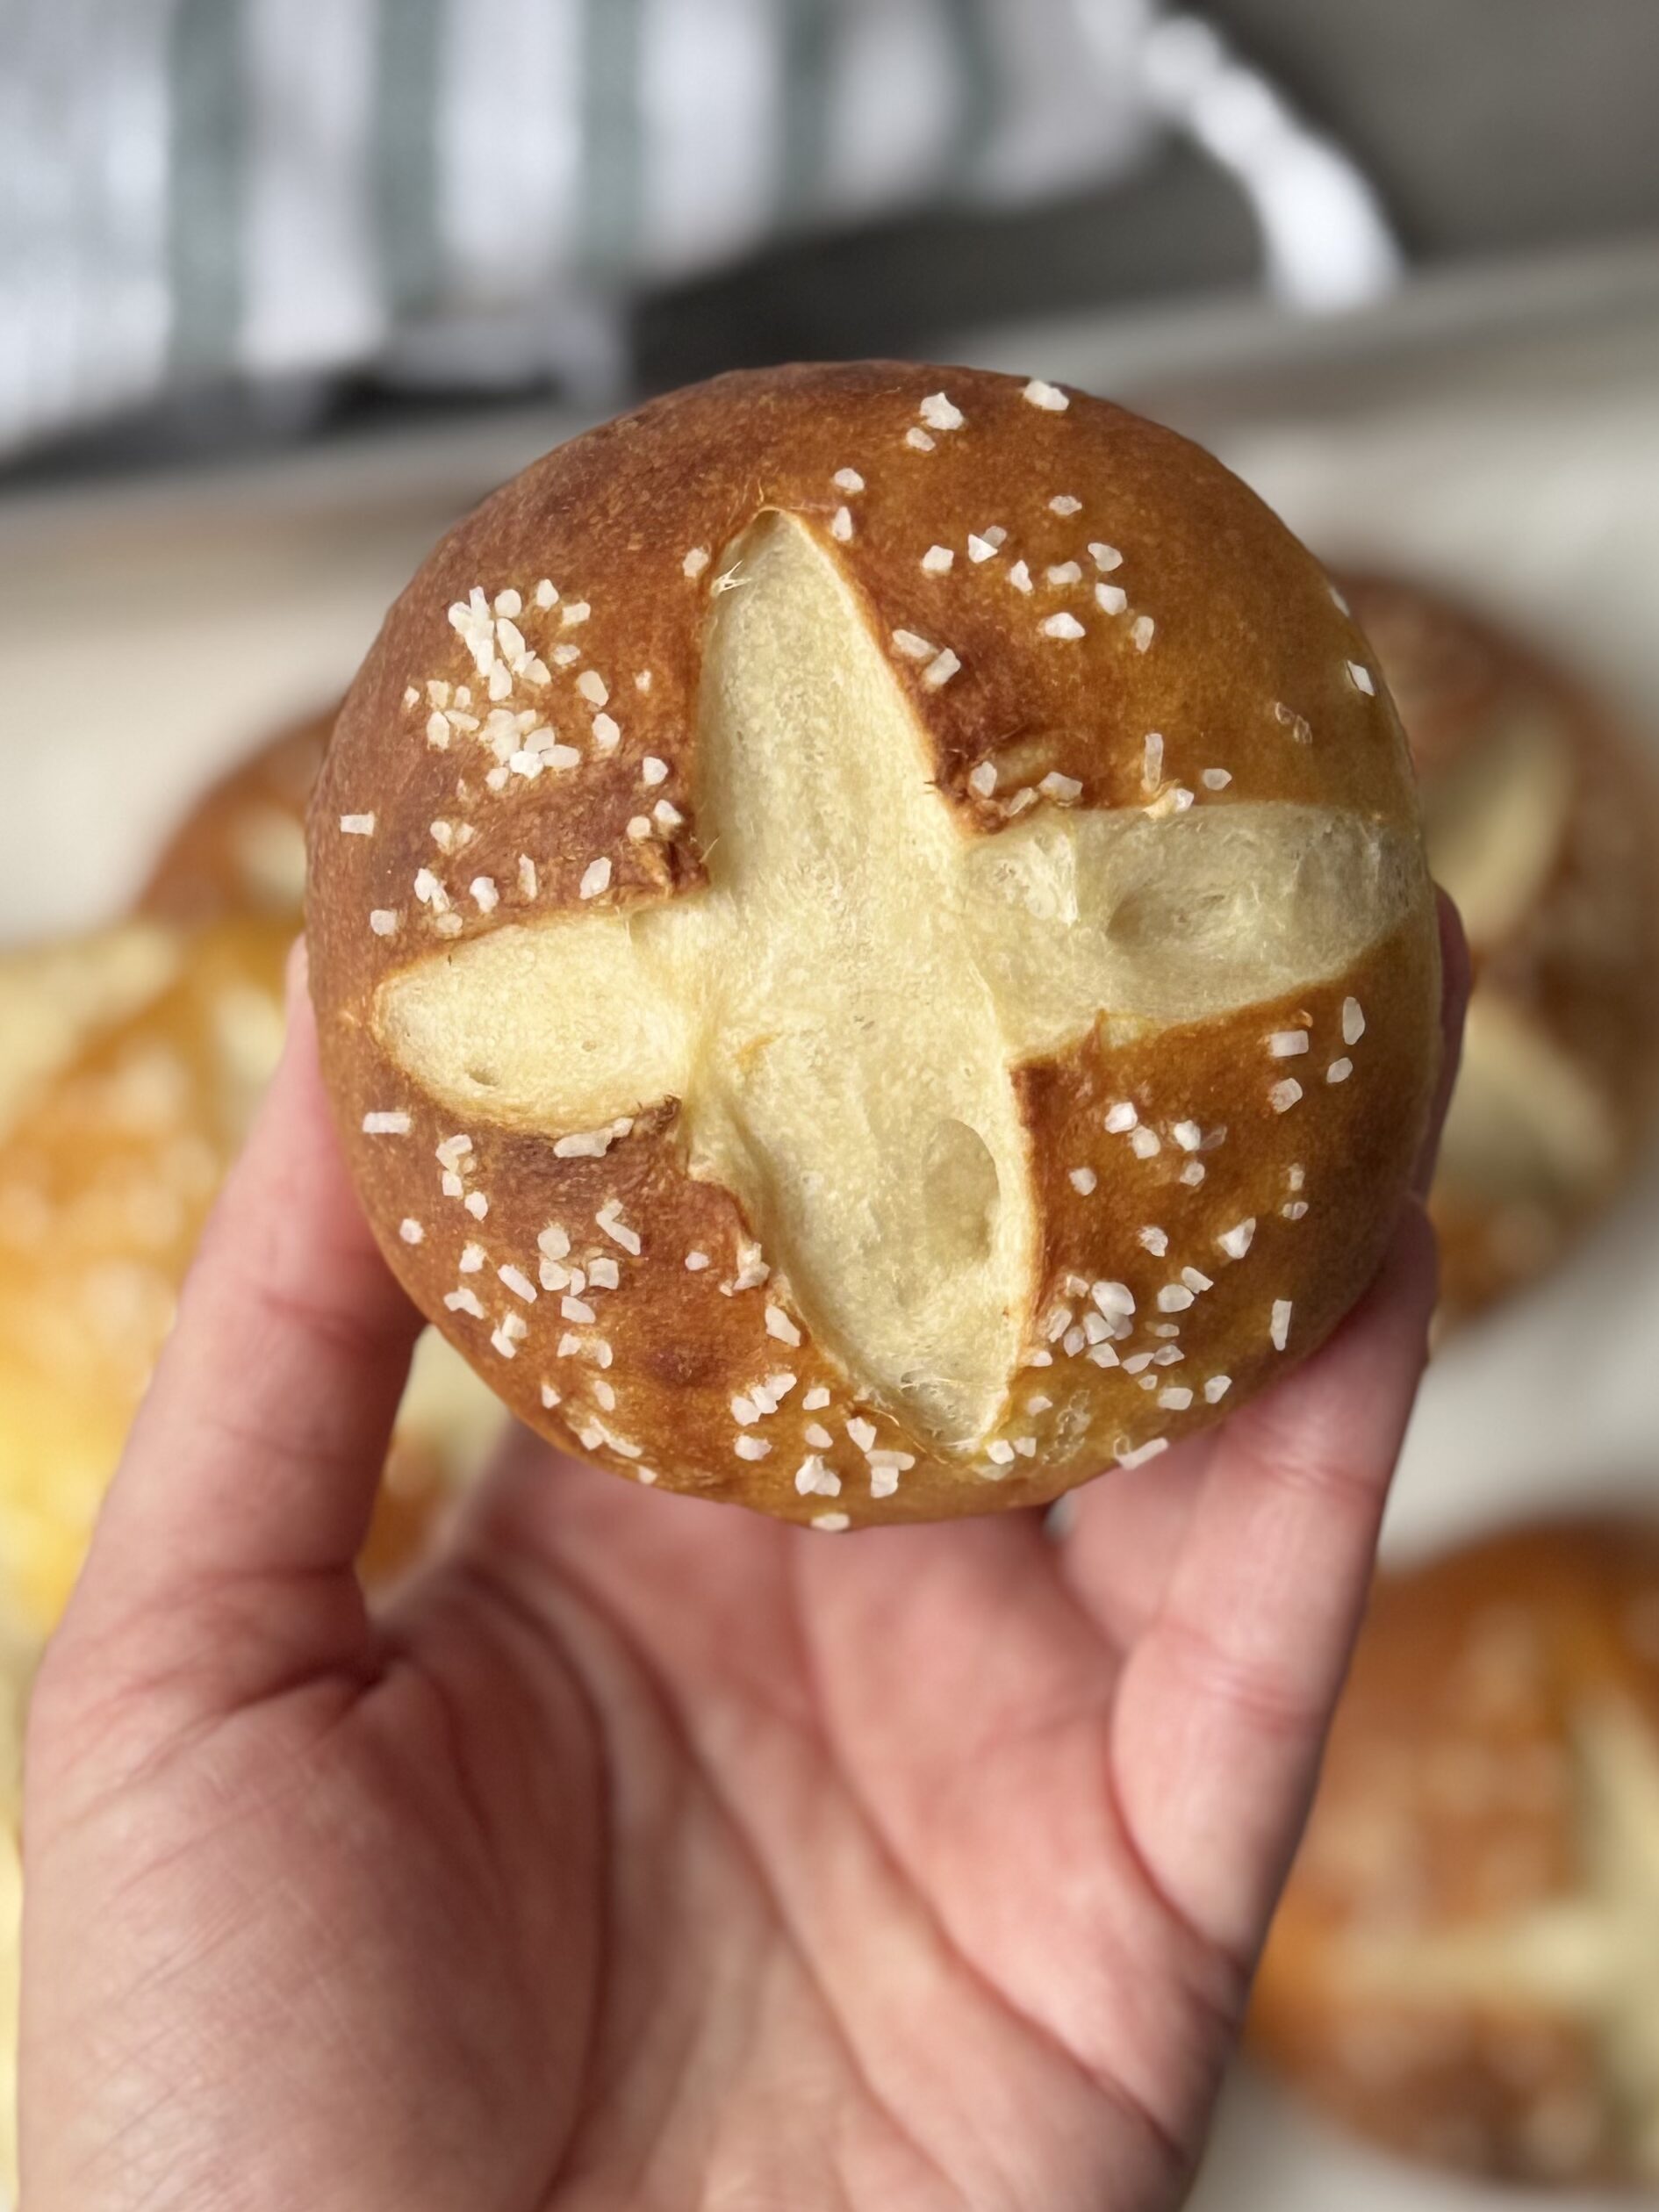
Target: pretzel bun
<point x="1464" y="1964"/>
<point x="871" y="943"/>
<point x="1542" y="821"/>
<point x="242" y="848"/>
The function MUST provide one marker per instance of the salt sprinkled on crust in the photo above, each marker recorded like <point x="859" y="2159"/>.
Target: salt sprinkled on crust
<point x="392" y="1124"/>
<point x="1279" y="1329"/>
<point x="595" y="877"/>
<point x="1235" y="1242"/>
<point x="695" y="562"/>
<point x="937" y="559"/>
<point x="1048" y="396"/>
<point x="912" y="646"/>
<point x="1063" y="625"/>
<point x="847" y="480"/>
<point x="941" y="413"/>
<point x="1359" y="676"/>
<point x="1353" y="1021"/>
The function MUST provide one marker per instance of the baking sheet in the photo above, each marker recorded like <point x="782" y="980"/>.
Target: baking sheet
<point x="149" y="637"/>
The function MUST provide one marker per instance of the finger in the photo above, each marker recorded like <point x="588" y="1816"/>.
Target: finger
<point x="1225" y="1702"/>
<point x="1127" y="1529"/>
<point x="256" y="1454"/>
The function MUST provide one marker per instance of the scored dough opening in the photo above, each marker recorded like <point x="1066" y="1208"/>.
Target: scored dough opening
<point x="840" y="1010"/>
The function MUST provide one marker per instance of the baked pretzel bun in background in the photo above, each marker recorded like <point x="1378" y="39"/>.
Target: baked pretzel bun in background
<point x="1466" y="1962"/>
<point x="871" y="943"/>
<point x="1542" y="819"/>
<point x="242" y="848"/>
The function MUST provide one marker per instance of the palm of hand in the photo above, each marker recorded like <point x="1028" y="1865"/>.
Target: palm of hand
<point x="652" y="1855"/>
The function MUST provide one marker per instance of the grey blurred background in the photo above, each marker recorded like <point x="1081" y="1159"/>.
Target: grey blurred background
<point x="1487" y="130"/>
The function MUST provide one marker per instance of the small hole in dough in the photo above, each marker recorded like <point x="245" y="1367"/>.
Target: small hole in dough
<point x="1155" y="916"/>
<point x="485" y="1078"/>
<point x="961" y="1193"/>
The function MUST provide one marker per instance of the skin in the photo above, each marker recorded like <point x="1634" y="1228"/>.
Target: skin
<point x="644" y="1853"/>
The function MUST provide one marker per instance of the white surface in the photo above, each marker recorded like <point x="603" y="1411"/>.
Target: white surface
<point x="146" y="640"/>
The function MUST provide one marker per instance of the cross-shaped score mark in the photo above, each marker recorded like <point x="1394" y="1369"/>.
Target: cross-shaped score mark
<point x="1591" y="1955"/>
<point x="841" y="1010"/>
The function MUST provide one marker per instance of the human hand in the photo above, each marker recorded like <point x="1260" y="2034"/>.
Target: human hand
<point x="641" y="1852"/>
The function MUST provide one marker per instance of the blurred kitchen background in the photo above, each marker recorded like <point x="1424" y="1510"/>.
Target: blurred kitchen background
<point x="285" y="289"/>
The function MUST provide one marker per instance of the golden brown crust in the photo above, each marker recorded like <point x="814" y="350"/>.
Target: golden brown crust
<point x="1457" y="1796"/>
<point x="1247" y="667"/>
<point x="1579" y="964"/>
<point x="240" y="850"/>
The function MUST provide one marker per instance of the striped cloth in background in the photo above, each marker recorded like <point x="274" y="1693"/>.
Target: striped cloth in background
<point x="196" y="190"/>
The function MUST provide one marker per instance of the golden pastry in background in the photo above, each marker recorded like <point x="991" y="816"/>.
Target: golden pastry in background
<point x="1466" y="1963"/>
<point x="1542" y="819"/>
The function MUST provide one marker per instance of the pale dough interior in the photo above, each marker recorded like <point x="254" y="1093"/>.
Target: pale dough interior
<point x="840" y="1010"/>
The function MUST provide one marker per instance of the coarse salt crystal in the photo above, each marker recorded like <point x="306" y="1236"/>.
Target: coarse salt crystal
<point x="696" y="561"/>
<point x="1339" y="1071"/>
<point x="1283" y="1095"/>
<point x="841" y="525"/>
<point x="1082" y="1181"/>
<point x="383" y="921"/>
<point x="395" y="1123"/>
<point x="410" y="1230"/>
<point x="1279" y="1328"/>
<point x="1063" y="789"/>
<point x="913" y="647"/>
<point x="1215" y="778"/>
<point x="1061" y="625"/>
<point x="1353" y="1021"/>
<point x="937" y="559"/>
<point x="1048" y="396"/>
<point x="1286" y="1044"/>
<point x="940" y="670"/>
<point x="940" y="414"/>
<point x="847" y="480"/>
<point x="595" y="877"/>
<point x="1141" y="630"/>
<point x="983" y="779"/>
<point x="1359" y="676"/>
<point x="1235" y="1242"/>
<point x="779" y="1325"/>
